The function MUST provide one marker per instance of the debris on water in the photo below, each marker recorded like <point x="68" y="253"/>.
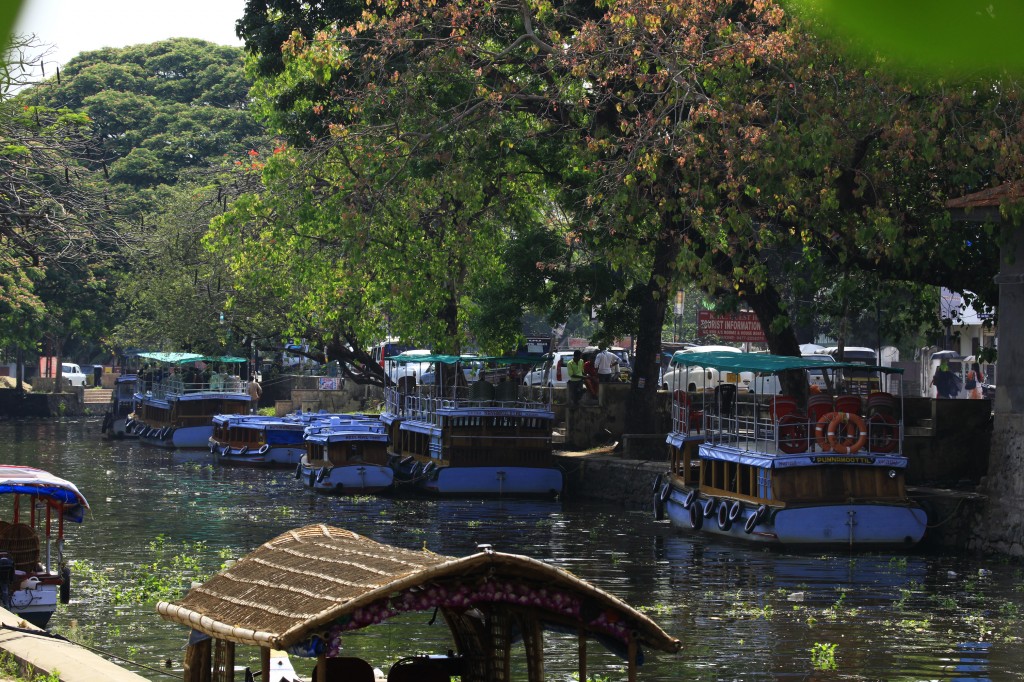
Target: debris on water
<point x="795" y="596"/>
<point x="951" y="574"/>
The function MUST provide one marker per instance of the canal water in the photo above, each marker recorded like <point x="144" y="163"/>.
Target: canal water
<point x="160" y="520"/>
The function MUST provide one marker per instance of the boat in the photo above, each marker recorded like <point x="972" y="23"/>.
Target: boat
<point x="310" y="590"/>
<point x="179" y="394"/>
<point x="488" y="437"/>
<point x="773" y="469"/>
<point x="346" y="455"/>
<point x="258" y="440"/>
<point x="34" y="578"/>
<point x="122" y="404"/>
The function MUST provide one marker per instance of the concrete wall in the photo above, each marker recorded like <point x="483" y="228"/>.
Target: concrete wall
<point x="15" y="403"/>
<point x="351" y="397"/>
<point x="612" y="479"/>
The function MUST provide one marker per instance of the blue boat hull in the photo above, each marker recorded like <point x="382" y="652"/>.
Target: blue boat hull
<point x="185" y="438"/>
<point x="358" y="479"/>
<point x="839" y="525"/>
<point x="494" y="481"/>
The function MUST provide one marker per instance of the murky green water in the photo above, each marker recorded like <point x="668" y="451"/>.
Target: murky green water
<point x="741" y="613"/>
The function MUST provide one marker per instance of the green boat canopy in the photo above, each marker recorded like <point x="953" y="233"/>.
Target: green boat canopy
<point x="765" y="363"/>
<point x="184" y="358"/>
<point x="453" y="359"/>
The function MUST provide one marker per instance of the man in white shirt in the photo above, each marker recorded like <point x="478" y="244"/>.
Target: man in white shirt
<point x="607" y="365"/>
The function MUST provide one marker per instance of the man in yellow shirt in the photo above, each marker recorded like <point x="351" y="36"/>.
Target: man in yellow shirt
<point x="574" y="386"/>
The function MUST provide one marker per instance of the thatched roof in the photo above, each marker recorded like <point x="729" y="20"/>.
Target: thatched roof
<point x="305" y="580"/>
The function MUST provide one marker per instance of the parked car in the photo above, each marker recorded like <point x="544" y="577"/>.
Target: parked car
<point x="694" y="378"/>
<point x="553" y="372"/>
<point x="398" y="370"/>
<point x="72" y="373"/>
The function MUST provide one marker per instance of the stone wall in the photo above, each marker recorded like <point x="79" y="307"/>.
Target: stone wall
<point x="14" y="403"/>
<point x="351" y="397"/>
<point x="607" y="478"/>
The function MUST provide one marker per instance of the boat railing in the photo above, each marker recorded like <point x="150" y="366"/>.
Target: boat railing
<point x="173" y="386"/>
<point x="425" y="407"/>
<point x="754" y="427"/>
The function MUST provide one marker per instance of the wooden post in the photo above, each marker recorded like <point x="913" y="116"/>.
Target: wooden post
<point x="632" y="659"/>
<point x="321" y="668"/>
<point x="264" y="663"/>
<point x="583" y="656"/>
<point x="197" y="662"/>
<point x="229" y="661"/>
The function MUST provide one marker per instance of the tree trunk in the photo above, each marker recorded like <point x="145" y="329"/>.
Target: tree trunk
<point x="642" y="409"/>
<point x="767" y="305"/>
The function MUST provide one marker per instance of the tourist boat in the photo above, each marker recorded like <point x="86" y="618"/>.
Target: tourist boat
<point x="122" y="404"/>
<point x="346" y="455"/>
<point x="178" y="395"/>
<point x="32" y="579"/>
<point x="479" y="438"/>
<point x="310" y="590"/>
<point x="773" y="469"/>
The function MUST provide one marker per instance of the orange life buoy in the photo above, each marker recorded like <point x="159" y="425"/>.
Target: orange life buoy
<point x="821" y="431"/>
<point x="852" y="442"/>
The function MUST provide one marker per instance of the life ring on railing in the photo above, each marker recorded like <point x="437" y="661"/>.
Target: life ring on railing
<point x="792" y="432"/>
<point x="851" y="442"/>
<point x="821" y="431"/>
<point x="884" y="433"/>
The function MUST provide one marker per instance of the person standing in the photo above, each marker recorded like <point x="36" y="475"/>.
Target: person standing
<point x="607" y="364"/>
<point x="574" y="385"/>
<point x="255" y="393"/>
<point x="973" y="381"/>
<point x="946" y="384"/>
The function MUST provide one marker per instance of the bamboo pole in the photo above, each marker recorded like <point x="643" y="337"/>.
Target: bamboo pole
<point x="582" y="637"/>
<point x="265" y="663"/>
<point x="632" y="658"/>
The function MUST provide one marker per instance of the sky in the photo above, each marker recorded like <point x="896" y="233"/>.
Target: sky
<point x="74" y="26"/>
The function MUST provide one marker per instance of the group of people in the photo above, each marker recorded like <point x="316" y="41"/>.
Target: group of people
<point x="947" y="384"/>
<point x="585" y="373"/>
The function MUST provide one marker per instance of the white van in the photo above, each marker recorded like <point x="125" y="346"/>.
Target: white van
<point x="692" y="378"/>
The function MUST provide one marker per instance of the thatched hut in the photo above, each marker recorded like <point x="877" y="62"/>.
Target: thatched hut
<point x="304" y="589"/>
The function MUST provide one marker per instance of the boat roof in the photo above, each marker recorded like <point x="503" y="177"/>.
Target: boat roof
<point x="453" y="359"/>
<point x="183" y="358"/>
<point x="24" y="480"/>
<point x="766" y="363"/>
<point x="309" y="580"/>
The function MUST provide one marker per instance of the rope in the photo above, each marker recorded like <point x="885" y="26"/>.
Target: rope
<point x="51" y="635"/>
<point x="951" y="516"/>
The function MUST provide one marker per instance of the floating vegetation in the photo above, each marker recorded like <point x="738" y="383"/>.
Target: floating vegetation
<point x="823" y="656"/>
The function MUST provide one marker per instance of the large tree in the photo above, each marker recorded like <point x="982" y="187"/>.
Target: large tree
<point x="723" y="143"/>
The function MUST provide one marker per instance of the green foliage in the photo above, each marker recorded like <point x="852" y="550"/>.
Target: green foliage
<point x="10" y="668"/>
<point x="823" y="656"/>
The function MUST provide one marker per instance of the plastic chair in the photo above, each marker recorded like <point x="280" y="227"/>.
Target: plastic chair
<point x="684" y="405"/>
<point x="780" y="406"/>
<point x="848" y="403"/>
<point x="818" y="406"/>
<point x="347" y="669"/>
<point x="881" y="402"/>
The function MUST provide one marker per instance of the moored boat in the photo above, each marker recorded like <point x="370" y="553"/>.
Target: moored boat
<point x="346" y="455"/>
<point x="34" y="578"/>
<point x="122" y="404"/>
<point x="828" y="471"/>
<point x="179" y="394"/>
<point x="258" y="440"/>
<point x="480" y="438"/>
<point x="309" y="590"/>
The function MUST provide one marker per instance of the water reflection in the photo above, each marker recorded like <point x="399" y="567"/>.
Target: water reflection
<point x="742" y="613"/>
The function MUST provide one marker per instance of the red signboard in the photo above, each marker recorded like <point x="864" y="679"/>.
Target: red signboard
<point x="743" y="327"/>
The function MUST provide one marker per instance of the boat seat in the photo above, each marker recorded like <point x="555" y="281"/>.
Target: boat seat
<point x="346" y="669"/>
<point x="880" y="401"/>
<point x="481" y="390"/>
<point x="848" y="403"/>
<point x="22" y="543"/>
<point x="408" y="670"/>
<point x="685" y="405"/>
<point x="506" y="392"/>
<point x="780" y="406"/>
